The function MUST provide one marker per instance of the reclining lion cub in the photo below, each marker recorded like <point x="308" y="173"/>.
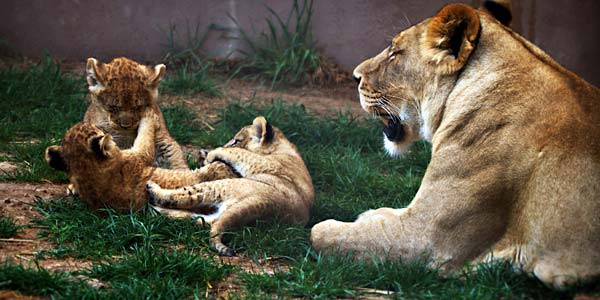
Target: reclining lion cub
<point x="515" y="166"/>
<point x="275" y="184"/>
<point x="106" y="176"/>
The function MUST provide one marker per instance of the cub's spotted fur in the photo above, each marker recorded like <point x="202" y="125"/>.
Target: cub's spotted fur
<point x="120" y="92"/>
<point x="275" y="184"/>
<point x="106" y="176"/>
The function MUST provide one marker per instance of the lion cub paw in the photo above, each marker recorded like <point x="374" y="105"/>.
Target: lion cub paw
<point x="72" y="190"/>
<point x="202" y="154"/>
<point x="154" y="193"/>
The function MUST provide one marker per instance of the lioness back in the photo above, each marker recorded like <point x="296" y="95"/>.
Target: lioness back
<point x="274" y="184"/>
<point x="119" y="92"/>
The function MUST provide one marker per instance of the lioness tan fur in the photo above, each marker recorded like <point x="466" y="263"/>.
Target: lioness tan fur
<point x="106" y="176"/>
<point x="120" y="92"/>
<point x="275" y="184"/>
<point x="515" y="165"/>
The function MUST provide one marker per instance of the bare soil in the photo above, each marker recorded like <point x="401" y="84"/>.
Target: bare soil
<point x="317" y="100"/>
<point x="16" y="201"/>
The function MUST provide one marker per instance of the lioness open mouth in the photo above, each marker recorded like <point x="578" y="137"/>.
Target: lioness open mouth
<point x="394" y="130"/>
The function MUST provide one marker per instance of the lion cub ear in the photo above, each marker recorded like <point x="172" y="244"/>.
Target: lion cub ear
<point x="95" y="75"/>
<point x="451" y="36"/>
<point x="55" y="159"/>
<point x="103" y="145"/>
<point x="157" y="76"/>
<point x="263" y="131"/>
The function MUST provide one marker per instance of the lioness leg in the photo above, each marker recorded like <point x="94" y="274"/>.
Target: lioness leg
<point x="450" y="224"/>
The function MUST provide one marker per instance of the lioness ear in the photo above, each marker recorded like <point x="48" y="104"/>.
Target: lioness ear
<point x="94" y="76"/>
<point x="102" y="145"/>
<point x="451" y="36"/>
<point x="263" y="130"/>
<point x="55" y="159"/>
<point x="159" y="73"/>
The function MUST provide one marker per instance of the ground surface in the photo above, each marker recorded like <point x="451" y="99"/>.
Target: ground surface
<point x="17" y="198"/>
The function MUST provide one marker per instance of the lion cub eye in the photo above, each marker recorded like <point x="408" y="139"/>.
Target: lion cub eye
<point x="392" y="53"/>
<point x="113" y="108"/>
<point x="233" y="142"/>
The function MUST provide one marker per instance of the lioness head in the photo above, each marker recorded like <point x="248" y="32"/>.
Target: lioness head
<point x="83" y="144"/>
<point x="260" y="137"/>
<point x="405" y="83"/>
<point x="124" y="89"/>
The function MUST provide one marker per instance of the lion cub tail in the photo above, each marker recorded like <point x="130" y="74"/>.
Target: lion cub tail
<point x="499" y="9"/>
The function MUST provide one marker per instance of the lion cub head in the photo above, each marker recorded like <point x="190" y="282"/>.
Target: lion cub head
<point x="260" y="137"/>
<point x="408" y="81"/>
<point x="84" y="146"/>
<point x="124" y="89"/>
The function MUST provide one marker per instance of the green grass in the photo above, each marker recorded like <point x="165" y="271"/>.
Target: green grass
<point x="183" y="123"/>
<point x="191" y="79"/>
<point x="78" y="232"/>
<point x="38" y="105"/>
<point x="184" y="54"/>
<point x="144" y="255"/>
<point x="338" y="277"/>
<point x="145" y="274"/>
<point x="32" y="281"/>
<point x="8" y="228"/>
<point x="286" y="52"/>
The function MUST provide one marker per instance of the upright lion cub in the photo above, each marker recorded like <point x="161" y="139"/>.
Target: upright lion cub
<point x="120" y="92"/>
<point x="274" y="183"/>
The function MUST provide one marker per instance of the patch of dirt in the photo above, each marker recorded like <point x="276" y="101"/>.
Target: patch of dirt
<point x="7" y="168"/>
<point x="321" y="101"/>
<point x="13" y="295"/>
<point x="16" y="201"/>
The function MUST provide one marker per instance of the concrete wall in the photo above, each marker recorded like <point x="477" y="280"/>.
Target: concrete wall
<point x="348" y="30"/>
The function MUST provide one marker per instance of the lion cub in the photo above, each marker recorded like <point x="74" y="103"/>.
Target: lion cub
<point x="275" y="184"/>
<point x="120" y="92"/>
<point x="106" y="176"/>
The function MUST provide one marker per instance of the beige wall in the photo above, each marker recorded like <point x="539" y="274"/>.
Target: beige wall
<point x="347" y="30"/>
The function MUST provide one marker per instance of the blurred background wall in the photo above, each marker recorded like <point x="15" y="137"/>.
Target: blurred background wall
<point x="348" y="31"/>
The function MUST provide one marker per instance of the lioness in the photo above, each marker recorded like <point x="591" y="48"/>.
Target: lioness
<point x="274" y="183"/>
<point x="515" y="166"/>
